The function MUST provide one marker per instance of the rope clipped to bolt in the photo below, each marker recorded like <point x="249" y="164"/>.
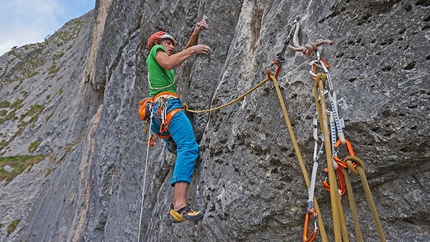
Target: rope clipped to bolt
<point x="308" y="49"/>
<point x="333" y="137"/>
<point x="185" y="106"/>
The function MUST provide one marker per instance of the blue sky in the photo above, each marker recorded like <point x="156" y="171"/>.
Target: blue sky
<point x="25" y="22"/>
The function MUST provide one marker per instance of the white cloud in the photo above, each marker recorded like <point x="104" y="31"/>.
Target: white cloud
<point x="23" y="22"/>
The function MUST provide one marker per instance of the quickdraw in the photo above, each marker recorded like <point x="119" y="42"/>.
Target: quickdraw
<point x="150" y="142"/>
<point x="336" y="123"/>
<point x="280" y="60"/>
<point x="311" y="210"/>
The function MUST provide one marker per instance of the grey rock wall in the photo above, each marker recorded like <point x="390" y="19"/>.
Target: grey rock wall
<point x="247" y="178"/>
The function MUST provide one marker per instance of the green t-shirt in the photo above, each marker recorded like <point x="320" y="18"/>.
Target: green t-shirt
<point x="160" y="79"/>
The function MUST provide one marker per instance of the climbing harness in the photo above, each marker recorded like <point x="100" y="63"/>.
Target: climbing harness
<point x="145" y="110"/>
<point x="163" y="98"/>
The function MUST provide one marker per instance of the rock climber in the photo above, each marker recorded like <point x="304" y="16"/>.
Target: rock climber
<point x="178" y="132"/>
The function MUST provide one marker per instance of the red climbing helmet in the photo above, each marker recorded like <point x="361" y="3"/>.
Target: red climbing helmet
<point x="159" y="35"/>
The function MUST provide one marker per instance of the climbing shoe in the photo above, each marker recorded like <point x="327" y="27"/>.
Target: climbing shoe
<point x="184" y="214"/>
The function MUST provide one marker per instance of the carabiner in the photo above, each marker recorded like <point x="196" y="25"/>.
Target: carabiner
<point x="342" y="186"/>
<point x="313" y="72"/>
<point x="348" y="146"/>
<point x="278" y="68"/>
<point x="313" y="235"/>
<point x="151" y="141"/>
<point x="350" y="152"/>
<point x="341" y="164"/>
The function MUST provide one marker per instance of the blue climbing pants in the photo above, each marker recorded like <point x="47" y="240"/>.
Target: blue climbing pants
<point x="182" y="133"/>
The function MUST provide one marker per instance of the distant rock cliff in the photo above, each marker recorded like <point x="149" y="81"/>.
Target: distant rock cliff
<point x="73" y="100"/>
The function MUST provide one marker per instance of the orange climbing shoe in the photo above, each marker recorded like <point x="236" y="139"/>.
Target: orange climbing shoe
<point x="184" y="214"/>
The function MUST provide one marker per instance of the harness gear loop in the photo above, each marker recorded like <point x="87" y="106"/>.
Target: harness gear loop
<point x="164" y="126"/>
<point x="145" y="112"/>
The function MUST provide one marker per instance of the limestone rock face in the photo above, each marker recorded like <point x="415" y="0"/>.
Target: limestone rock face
<point x="90" y="75"/>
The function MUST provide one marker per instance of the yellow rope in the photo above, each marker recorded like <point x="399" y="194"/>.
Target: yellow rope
<point x="227" y="104"/>
<point x="299" y="157"/>
<point x="334" y="194"/>
<point x="360" y="171"/>
<point x="354" y="213"/>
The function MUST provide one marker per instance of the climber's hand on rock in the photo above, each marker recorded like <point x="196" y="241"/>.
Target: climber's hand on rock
<point x="201" y="49"/>
<point x="201" y="25"/>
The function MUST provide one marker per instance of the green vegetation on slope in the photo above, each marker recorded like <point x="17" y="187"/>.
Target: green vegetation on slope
<point x="12" y="226"/>
<point x="18" y="164"/>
